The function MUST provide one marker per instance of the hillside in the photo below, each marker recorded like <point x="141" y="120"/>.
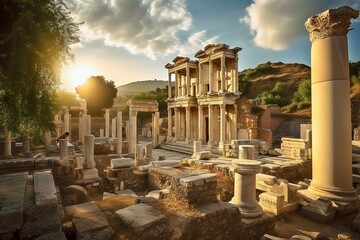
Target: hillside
<point x="265" y="76"/>
<point x="140" y="86"/>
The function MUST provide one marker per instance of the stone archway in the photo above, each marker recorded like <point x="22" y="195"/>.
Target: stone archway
<point x="136" y="106"/>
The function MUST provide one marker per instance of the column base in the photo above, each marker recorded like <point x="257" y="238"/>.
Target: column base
<point x="249" y="211"/>
<point x="316" y="191"/>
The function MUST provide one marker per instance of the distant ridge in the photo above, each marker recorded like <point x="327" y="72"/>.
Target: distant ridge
<point x="134" y="88"/>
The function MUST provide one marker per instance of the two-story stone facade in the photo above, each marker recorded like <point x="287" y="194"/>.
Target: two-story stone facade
<point x="206" y="95"/>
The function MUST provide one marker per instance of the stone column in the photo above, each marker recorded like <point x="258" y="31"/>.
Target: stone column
<point x="169" y="137"/>
<point x="211" y="127"/>
<point x="210" y="76"/>
<point x="133" y="132"/>
<point x="127" y="130"/>
<point x="67" y="121"/>
<point x="331" y="122"/>
<point x="101" y="132"/>
<point x="201" y="124"/>
<point x="234" y="130"/>
<point x="200" y="81"/>
<point x="107" y="123"/>
<point x="223" y="89"/>
<point x="119" y="133"/>
<point x="155" y="129"/>
<point x="222" y="125"/>
<point x="188" y="125"/>
<point x="245" y="187"/>
<point x="88" y="125"/>
<point x="63" y="150"/>
<point x="7" y="144"/>
<point x="81" y="127"/>
<point x="236" y="77"/>
<point x="113" y="128"/>
<point x="177" y="125"/>
<point x="246" y="152"/>
<point x="89" y="151"/>
<point x="169" y="86"/>
<point x="176" y="84"/>
<point x="197" y="146"/>
<point x="188" y="83"/>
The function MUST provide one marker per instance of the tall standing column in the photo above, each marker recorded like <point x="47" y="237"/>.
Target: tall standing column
<point x="67" y="121"/>
<point x="210" y="76"/>
<point x="188" y="124"/>
<point x="155" y="129"/>
<point x="7" y="144"/>
<point x="169" y="137"/>
<point x="107" y="122"/>
<point x="211" y="126"/>
<point x="188" y="82"/>
<point x="201" y="124"/>
<point x="119" y="133"/>
<point x="223" y="89"/>
<point x="331" y="121"/>
<point x="176" y="84"/>
<point x="132" y="132"/>
<point x="234" y="131"/>
<point x="169" y="86"/>
<point x="222" y="125"/>
<point x="113" y="128"/>
<point x="236" y="77"/>
<point x="200" y="81"/>
<point x="88" y="124"/>
<point x="177" y="125"/>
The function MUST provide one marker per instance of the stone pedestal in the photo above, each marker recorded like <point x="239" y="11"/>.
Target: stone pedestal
<point x="246" y="152"/>
<point x="331" y="120"/>
<point x="197" y="146"/>
<point x="245" y="187"/>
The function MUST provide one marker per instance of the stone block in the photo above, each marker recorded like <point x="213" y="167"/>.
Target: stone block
<point x="356" y="168"/>
<point x="140" y="217"/>
<point x="167" y="163"/>
<point x="127" y="192"/>
<point x="203" y="155"/>
<point x="120" y="162"/>
<point x="268" y="179"/>
<point x="271" y="202"/>
<point x="89" y="174"/>
<point x="198" y="180"/>
<point x="319" y="210"/>
<point x="12" y="202"/>
<point x="44" y="189"/>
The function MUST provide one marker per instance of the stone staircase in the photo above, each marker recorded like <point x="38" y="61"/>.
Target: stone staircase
<point x="182" y="147"/>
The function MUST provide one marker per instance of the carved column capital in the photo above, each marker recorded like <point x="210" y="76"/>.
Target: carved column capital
<point x="332" y="22"/>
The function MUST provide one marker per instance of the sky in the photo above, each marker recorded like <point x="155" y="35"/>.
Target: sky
<point x="132" y="40"/>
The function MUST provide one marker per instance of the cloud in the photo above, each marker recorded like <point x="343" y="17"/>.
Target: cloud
<point x="196" y="42"/>
<point x="276" y="24"/>
<point x="149" y="27"/>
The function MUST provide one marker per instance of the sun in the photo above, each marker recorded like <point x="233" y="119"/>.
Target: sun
<point x="79" y="74"/>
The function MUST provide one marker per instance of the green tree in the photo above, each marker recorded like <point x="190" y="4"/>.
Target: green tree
<point x="65" y="98"/>
<point x="98" y="92"/>
<point x="302" y="97"/>
<point x="35" y="39"/>
<point x="275" y="96"/>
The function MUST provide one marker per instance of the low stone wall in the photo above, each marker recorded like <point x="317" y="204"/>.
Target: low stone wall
<point x="128" y="178"/>
<point x="194" y="189"/>
<point x="160" y="178"/>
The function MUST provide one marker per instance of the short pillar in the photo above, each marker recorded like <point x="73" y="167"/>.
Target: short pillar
<point x="197" y="146"/>
<point x="7" y="144"/>
<point x="102" y="133"/>
<point x="245" y="187"/>
<point x="331" y="112"/>
<point x="88" y="125"/>
<point x="89" y="151"/>
<point x="155" y="129"/>
<point x="63" y="151"/>
<point x="246" y="152"/>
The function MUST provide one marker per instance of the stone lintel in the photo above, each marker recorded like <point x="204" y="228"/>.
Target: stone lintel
<point x="332" y="22"/>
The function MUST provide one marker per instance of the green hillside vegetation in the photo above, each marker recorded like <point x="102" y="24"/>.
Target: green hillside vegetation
<point x="133" y="88"/>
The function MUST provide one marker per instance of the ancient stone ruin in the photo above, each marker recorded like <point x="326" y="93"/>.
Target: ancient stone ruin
<point x="213" y="175"/>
